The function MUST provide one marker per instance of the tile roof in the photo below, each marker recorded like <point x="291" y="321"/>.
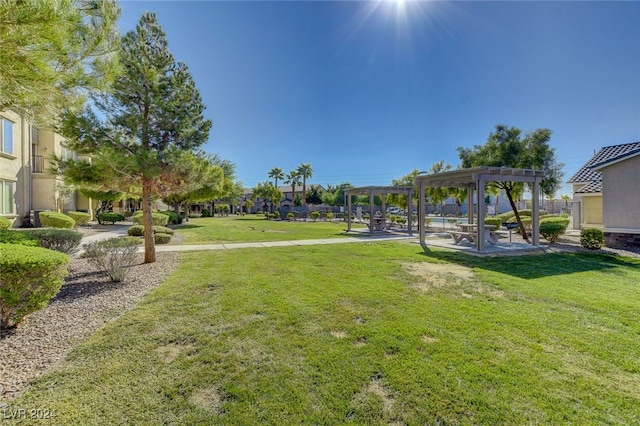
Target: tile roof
<point x="591" y="187"/>
<point x="604" y="155"/>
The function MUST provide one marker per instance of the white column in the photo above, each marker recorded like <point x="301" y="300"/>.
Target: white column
<point x="535" y="212"/>
<point x="421" y="212"/>
<point x="481" y="211"/>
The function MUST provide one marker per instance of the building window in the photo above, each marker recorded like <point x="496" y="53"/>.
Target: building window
<point x="6" y="136"/>
<point x="7" y="206"/>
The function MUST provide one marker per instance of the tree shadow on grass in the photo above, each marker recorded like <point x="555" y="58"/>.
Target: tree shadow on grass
<point x="536" y="265"/>
<point x="189" y="226"/>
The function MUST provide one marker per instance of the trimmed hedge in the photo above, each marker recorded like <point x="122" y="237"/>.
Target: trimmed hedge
<point x="174" y="219"/>
<point x="592" y="238"/>
<point x="495" y="221"/>
<point x="156" y="217"/>
<point x="138" y="230"/>
<point x="30" y="277"/>
<point x="551" y="231"/>
<point x="110" y="217"/>
<point x="4" y="223"/>
<point x="18" y="237"/>
<point x="161" y="238"/>
<point x="56" y="220"/>
<point x="62" y="240"/>
<point x="81" y="218"/>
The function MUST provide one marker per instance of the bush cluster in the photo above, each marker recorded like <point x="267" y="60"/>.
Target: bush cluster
<point x="156" y="218"/>
<point x="290" y="215"/>
<point x="81" y="218"/>
<point x="62" y="240"/>
<point x="205" y="213"/>
<point x="551" y="227"/>
<point x="174" y="218"/>
<point x="110" y="217"/>
<point x="4" y="223"/>
<point x="161" y="238"/>
<point x="138" y="230"/>
<point x="30" y="277"/>
<point x="113" y="256"/>
<point x="315" y="215"/>
<point x="329" y="215"/>
<point x="592" y="238"/>
<point x="18" y="237"/>
<point x="56" y="220"/>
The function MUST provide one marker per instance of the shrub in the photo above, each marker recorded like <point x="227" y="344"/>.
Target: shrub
<point x="495" y="221"/>
<point x="290" y="215"/>
<point x="138" y="230"/>
<point x="402" y="220"/>
<point x="133" y="240"/>
<point x="56" y="220"/>
<point x="81" y="218"/>
<point x="62" y="240"/>
<point x="427" y="221"/>
<point x="4" y="223"/>
<point x="30" y="277"/>
<point x="127" y="213"/>
<point x="113" y="256"/>
<point x="551" y="231"/>
<point x="161" y="238"/>
<point x="260" y="212"/>
<point x="329" y="215"/>
<point x="393" y="218"/>
<point x="276" y="214"/>
<point x="205" y="213"/>
<point x="110" y="217"/>
<point x="591" y="238"/>
<point x="18" y="237"/>
<point x="315" y="215"/>
<point x="174" y="218"/>
<point x="156" y="218"/>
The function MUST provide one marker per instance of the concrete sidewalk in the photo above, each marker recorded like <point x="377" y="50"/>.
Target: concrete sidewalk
<point x="111" y="231"/>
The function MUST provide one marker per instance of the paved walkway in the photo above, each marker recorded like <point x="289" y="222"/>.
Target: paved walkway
<point x="110" y="231"/>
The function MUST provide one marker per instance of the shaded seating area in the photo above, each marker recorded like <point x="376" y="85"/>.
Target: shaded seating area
<point x="379" y="223"/>
<point x="474" y="180"/>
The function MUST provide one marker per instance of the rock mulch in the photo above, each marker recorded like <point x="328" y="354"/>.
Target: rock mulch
<point x="86" y="302"/>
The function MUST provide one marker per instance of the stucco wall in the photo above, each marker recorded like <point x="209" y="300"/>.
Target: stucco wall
<point x="621" y="203"/>
<point x="592" y="210"/>
<point x="12" y="166"/>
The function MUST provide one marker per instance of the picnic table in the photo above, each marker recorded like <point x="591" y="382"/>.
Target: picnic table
<point x="469" y="231"/>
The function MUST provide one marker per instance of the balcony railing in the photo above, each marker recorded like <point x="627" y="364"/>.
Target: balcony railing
<point x="37" y="164"/>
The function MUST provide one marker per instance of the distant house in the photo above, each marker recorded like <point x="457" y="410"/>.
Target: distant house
<point x="605" y="194"/>
<point x="287" y="196"/>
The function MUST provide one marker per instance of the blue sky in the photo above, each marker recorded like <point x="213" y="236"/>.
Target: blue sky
<point x="367" y="91"/>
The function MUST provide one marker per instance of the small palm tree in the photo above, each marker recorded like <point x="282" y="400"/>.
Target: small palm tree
<point x="293" y="179"/>
<point x="305" y="171"/>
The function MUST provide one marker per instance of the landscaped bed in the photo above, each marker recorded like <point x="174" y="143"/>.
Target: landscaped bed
<point x="367" y="333"/>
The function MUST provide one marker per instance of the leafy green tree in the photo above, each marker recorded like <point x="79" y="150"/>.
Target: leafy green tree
<point x="335" y="195"/>
<point x="314" y="195"/>
<point x="267" y="192"/>
<point x="438" y="195"/>
<point x="52" y="51"/>
<point x="401" y="200"/>
<point x="151" y="117"/>
<point x="105" y="199"/>
<point x="305" y="171"/>
<point x="506" y="147"/>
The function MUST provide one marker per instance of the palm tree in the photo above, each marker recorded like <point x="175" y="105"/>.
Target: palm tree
<point x="566" y="199"/>
<point x="275" y="174"/>
<point x="305" y="171"/>
<point x="293" y="179"/>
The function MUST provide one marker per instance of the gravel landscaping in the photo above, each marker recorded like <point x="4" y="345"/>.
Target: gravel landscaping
<point x="86" y="302"/>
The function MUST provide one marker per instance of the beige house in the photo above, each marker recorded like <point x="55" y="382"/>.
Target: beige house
<point x="26" y="185"/>
<point x="605" y="195"/>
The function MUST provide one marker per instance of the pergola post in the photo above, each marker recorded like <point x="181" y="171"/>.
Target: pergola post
<point x="535" y="212"/>
<point x="410" y="212"/>
<point x="481" y="211"/>
<point x="348" y="195"/>
<point x="470" y="190"/>
<point x="370" y="192"/>
<point x="421" y="212"/>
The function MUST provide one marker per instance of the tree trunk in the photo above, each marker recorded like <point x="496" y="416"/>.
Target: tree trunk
<point x="523" y="231"/>
<point x="147" y="221"/>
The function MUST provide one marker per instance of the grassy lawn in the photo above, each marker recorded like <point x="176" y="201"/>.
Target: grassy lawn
<point x="250" y="228"/>
<point x="371" y="333"/>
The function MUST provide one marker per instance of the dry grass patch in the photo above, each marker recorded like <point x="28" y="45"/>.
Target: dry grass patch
<point x="433" y="276"/>
<point x="170" y="352"/>
<point x="207" y="399"/>
<point x="338" y="334"/>
<point x="429" y="339"/>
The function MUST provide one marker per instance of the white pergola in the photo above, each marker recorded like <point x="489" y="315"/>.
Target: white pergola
<point x="372" y="191"/>
<point x="475" y="179"/>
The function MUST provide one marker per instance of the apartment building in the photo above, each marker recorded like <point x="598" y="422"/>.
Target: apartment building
<point x="26" y="184"/>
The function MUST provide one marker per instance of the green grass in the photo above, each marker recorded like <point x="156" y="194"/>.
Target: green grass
<point x="254" y="228"/>
<point x="371" y="333"/>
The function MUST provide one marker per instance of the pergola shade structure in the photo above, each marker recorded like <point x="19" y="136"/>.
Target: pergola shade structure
<point x="371" y="192"/>
<point x="475" y="179"/>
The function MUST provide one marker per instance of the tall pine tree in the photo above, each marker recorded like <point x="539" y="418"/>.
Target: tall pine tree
<point x="153" y="114"/>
